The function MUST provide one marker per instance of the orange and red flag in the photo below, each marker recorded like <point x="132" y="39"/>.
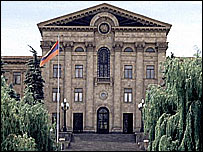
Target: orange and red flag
<point x="52" y="53"/>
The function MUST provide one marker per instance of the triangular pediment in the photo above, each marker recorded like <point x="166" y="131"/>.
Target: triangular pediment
<point x="124" y="17"/>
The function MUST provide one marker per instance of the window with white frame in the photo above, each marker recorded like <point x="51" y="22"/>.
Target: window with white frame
<point x="54" y="94"/>
<point x="127" y="95"/>
<point x="78" y="71"/>
<point x="78" y="95"/>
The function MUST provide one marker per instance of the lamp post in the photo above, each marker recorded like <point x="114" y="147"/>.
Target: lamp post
<point x="64" y="106"/>
<point x="141" y="105"/>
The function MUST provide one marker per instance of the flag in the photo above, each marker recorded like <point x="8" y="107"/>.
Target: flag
<point x="52" y="53"/>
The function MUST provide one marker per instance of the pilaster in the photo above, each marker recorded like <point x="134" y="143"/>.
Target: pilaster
<point x="161" y="48"/>
<point x="117" y="112"/>
<point x="45" y="46"/>
<point x="89" y="110"/>
<point x="139" y="82"/>
<point x="68" y="46"/>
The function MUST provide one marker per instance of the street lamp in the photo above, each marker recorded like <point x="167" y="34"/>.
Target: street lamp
<point x="64" y="107"/>
<point x="141" y="105"/>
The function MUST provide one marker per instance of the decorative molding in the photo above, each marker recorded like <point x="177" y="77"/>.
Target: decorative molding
<point x="104" y="14"/>
<point x="67" y="44"/>
<point x="45" y="44"/>
<point x="161" y="46"/>
<point x="118" y="45"/>
<point x="89" y="44"/>
<point x="140" y="45"/>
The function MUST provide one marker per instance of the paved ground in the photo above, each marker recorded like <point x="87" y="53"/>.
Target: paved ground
<point x="103" y="142"/>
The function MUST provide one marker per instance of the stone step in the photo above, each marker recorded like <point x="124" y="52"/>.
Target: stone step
<point x="103" y="146"/>
<point x="103" y="142"/>
<point x="104" y="137"/>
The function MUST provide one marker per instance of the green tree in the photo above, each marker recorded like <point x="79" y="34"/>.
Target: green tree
<point x="2" y="64"/>
<point x="34" y="82"/>
<point x="24" y="126"/>
<point x="173" y="113"/>
<point x="13" y="93"/>
<point x="12" y="137"/>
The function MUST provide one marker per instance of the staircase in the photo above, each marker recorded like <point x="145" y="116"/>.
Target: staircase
<point x="103" y="142"/>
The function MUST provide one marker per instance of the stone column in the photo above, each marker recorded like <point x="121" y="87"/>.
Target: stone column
<point x="139" y="83"/>
<point x="68" y="81"/>
<point x="89" y="114"/>
<point x="161" y="48"/>
<point x="117" y="113"/>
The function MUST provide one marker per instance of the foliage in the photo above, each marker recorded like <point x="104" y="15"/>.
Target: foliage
<point x="13" y="93"/>
<point x="24" y="126"/>
<point x="173" y="113"/>
<point x="2" y="64"/>
<point x="18" y="143"/>
<point x="34" y="82"/>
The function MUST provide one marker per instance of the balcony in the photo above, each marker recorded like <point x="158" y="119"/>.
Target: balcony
<point x="103" y="80"/>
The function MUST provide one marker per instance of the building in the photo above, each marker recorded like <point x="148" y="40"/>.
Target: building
<point x="15" y="70"/>
<point x="108" y="56"/>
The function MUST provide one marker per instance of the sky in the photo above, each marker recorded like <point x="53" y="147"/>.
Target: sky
<point x="19" y="21"/>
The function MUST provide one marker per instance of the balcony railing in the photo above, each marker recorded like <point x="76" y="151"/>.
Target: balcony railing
<point x="103" y="80"/>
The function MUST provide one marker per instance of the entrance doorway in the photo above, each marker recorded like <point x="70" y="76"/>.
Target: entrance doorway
<point x="128" y="123"/>
<point x="103" y="120"/>
<point x="78" y="122"/>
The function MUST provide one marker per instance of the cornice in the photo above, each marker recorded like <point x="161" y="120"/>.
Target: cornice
<point x="92" y="29"/>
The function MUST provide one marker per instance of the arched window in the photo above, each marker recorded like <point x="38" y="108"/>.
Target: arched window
<point x="150" y="50"/>
<point x="104" y="63"/>
<point x="79" y="49"/>
<point x="128" y="49"/>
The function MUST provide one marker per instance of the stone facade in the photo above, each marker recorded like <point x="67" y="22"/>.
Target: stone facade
<point x="12" y="65"/>
<point x="112" y="29"/>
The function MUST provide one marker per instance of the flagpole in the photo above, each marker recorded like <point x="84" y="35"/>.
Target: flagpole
<point x="57" y="135"/>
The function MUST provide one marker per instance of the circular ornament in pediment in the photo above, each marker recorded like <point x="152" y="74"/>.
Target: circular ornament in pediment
<point x="104" y="28"/>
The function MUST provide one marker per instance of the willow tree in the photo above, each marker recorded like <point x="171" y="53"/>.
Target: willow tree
<point x="24" y="126"/>
<point x="173" y="112"/>
<point x="12" y="136"/>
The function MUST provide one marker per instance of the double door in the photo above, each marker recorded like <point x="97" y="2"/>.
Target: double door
<point x="128" y="123"/>
<point x="78" y="122"/>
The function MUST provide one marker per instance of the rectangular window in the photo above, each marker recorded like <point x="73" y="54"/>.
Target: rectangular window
<point x="78" y="71"/>
<point x="127" y="95"/>
<point x="128" y="72"/>
<point x="16" y="78"/>
<point x="78" y="95"/>
<point x="55" y="71"/>
<point x="54" y="94"/>
<point x="150" y="72"/>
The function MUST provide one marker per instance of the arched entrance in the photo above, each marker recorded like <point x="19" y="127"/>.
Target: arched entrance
<point x="103" y="120"/>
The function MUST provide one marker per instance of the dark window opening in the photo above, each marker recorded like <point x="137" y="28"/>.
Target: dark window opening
<point x="16" y="78"/>
<point x="128" y="49"/>
<point x="104" y="63"/>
